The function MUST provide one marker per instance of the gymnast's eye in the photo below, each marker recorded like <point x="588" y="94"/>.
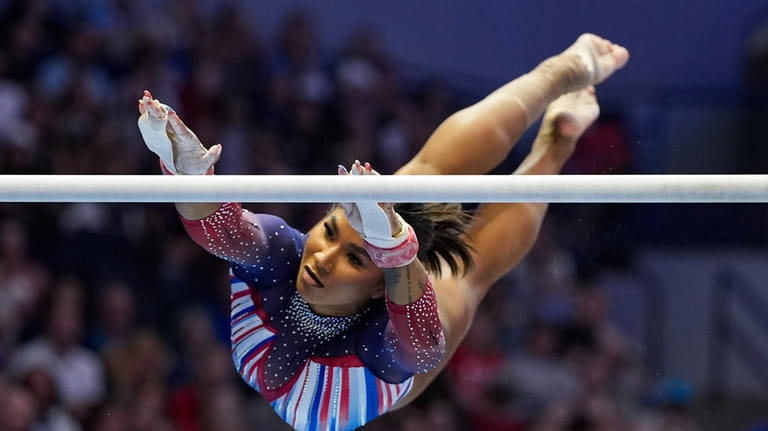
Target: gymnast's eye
<point x="354" y="259"/>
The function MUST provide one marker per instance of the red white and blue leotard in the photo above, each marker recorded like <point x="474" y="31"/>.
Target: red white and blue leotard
<point x="317" y="372"/>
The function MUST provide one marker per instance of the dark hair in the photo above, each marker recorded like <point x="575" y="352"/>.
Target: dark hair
<point x="442" y="232"/>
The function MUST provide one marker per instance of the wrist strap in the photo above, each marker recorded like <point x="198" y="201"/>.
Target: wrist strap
<point x="157" y="140"/>
<point x="400" y="255"/>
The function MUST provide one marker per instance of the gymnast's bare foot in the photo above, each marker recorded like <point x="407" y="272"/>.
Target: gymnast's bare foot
<point x="566" y="119"/>
<point x="592" y="60"/>
<point x="570" y="114"/>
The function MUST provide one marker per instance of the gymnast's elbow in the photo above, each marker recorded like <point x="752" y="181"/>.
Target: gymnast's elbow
<point x="420" y="359"/>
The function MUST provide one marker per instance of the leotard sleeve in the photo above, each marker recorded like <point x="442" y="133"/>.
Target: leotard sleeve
<point x="414" y="333"/>
<point x="242" y="237"/>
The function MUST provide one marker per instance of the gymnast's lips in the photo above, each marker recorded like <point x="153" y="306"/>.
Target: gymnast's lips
<point x="312" y="275"/>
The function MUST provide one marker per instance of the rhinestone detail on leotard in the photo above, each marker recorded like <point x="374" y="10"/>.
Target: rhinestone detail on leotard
<point x="303" y="334"/>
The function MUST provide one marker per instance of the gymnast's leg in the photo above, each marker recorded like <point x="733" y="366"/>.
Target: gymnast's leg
<point x="503" y="233"/>
<point x="478" y="138"/>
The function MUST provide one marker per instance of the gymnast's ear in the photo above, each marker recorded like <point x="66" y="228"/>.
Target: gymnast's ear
<point x="378" y="292"/>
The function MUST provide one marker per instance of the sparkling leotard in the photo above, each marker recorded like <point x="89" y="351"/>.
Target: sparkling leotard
<point x="317" y="372"/>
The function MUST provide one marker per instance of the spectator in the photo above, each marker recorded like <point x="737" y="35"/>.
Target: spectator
<point x="52" y="416"/>
<point x="591" y="330"/>
<point x="144" y="359"/>
<point x="147" y="408"/>
<point x="115" y="308"/>
<point x="538" y="375"/>
<point x="193" y="405"/>
<point x="18" y="409"/>
<point x="77" y="371"/>
<point x="474" y="375"/>
<point x="23" y="283"/>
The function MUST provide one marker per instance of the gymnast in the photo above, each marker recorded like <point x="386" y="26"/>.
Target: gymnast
<point x="355" y="318"/>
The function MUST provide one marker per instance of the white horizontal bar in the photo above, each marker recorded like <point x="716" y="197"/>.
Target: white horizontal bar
<point x="385" y="188"/>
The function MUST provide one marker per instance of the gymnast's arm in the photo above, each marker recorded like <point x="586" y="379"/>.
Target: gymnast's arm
<point x="225" y="230"/>
<point x="192" y="158"/>
<point x="179" y="149"/>
<point x="414" y="333"/>
<point x="196" y="211"/>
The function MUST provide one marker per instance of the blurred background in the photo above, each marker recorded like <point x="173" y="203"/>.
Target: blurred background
<point x="623" y="317"/>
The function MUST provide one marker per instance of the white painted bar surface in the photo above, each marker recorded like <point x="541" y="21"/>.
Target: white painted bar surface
<point x="385" y="188"/>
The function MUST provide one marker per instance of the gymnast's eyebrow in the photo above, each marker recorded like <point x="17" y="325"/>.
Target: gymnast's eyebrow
<point x="334" y="226"/>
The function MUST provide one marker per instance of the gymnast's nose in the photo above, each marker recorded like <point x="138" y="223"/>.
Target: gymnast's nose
<point x="324" y="259"/>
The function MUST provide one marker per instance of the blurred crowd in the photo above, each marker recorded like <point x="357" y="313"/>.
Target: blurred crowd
<point x="112" y="320"/>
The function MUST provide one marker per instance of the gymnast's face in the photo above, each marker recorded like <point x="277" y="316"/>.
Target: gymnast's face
<point x="337" y="278"/>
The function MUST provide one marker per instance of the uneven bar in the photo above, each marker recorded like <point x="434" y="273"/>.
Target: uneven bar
<point x="385" y="188"/>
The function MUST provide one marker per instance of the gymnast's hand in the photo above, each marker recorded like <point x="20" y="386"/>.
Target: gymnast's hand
<point x="389" y="240"/>
<point x="373" y="221"/>
<point x="167" y="136"/>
